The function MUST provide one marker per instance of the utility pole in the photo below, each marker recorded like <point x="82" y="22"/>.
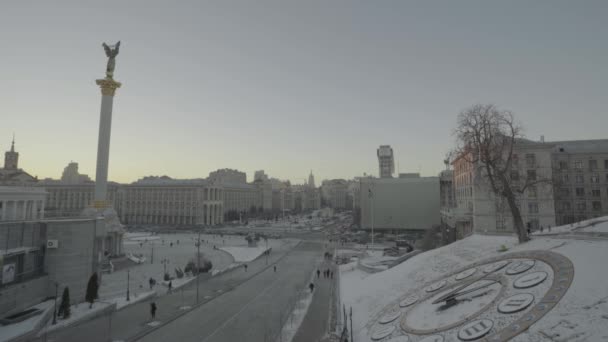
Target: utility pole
<point x="152" y="256"/>
<point x="128" y="280"/>
<point x="55" y="309"/>
<point x="351" y="324"/>
<point x="371" y="196"/>
<point x="198" y="261"/>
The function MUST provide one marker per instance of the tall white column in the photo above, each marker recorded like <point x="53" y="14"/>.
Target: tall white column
<point x="108" y="88"/>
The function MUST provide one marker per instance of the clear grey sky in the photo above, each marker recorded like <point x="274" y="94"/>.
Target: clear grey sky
<point x="289" y="86"/>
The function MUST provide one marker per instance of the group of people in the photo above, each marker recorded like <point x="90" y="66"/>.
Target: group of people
<point x="326" y="274"/>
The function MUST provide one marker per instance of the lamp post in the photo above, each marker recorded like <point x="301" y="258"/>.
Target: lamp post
<point x="371" y="204"/>
<point x="55" y="309"/>
<point x="198" y="260"/>
<point x="128" y="283"/>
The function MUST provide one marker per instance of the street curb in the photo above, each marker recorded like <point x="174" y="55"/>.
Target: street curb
<point x="146" y="332"/>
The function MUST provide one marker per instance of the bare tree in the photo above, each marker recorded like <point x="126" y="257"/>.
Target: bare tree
<point x="486" y="139"/>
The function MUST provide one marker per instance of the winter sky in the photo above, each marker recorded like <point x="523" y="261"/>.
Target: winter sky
<point x="289" y="86"/>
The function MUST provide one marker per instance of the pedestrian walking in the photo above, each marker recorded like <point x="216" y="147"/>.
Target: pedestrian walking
<point x="151" y="281"/>
<point x="327" y="273"/>
<point x="311" y="286"/>
<point x="318" y="275"/>
<point x="153" y="310"/>
<point x="275" y="268"/>
<point x="170" y="286"/>
<point x="245" y="265"/>
<point x="331" y="274"/>
<point x="541" y="229"/>
<point x="549" y="228"/>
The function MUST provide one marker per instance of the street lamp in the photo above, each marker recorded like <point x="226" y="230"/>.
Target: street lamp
<point x="128" y="283"/>
<point x="55" y="309"/>
<point x="198" y="261"/>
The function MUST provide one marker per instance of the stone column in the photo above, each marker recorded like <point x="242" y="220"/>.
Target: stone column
<point x="108" y="88"/>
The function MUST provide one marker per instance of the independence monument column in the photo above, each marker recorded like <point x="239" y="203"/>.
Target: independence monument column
<point x="108" y="87"/>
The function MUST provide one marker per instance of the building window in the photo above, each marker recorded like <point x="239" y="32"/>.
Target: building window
<point x="530" y="159"/>
<point x="531" y="175"/>
<point x="515" y="175"/>
<point x="595" y="192"/>
<point x="532" y="192"/>
<point x="592" y="164"/>
<point x="565" y="178"/>
<point x="606" y="164"/>
<point x="578" y="165"/>
<point x="563" y="165"/>
<point x="580" y="192"/>
<point x="597" y="205"/>
<point x="579" y="179"/>
<point x="564" y="192"/>
<point x="595" y="178"/>
<point x="581" y="206"/>
<point x="565" y="206"/>
<point x="533" y="208"/>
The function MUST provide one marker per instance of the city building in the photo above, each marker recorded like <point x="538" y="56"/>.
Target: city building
<point x="166" y="201"/>
<point x="70" y="175"/>
<point x="21" y="203"/>
<point x="335" y="193"/>
<point x="580" y="173"/>
<point x="40" y="256"/>
<point x="228" y="176"/>
<point x="11" y="174"/>
<point x="260" y="175"/>
<point x="71" y="199"/>
<point x="572" y="185"/>
<point x="386" y="161"/>
<point x="400" y="204"/>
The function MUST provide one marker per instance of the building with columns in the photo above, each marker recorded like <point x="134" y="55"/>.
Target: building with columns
<point x="166" y="201"/>
<point x="69" y="200"/>
<point x="21" y="203"/>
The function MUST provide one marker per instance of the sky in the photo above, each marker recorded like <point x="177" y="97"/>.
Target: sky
<point x="291" y="86"/>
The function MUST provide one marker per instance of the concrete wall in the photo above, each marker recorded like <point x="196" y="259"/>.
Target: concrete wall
<point x="401" y="203"/>
<point x="17" y="297"/>
<point x="76" y="258"/>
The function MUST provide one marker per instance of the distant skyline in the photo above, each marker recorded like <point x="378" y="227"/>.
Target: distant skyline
<point x="292" y="86"/>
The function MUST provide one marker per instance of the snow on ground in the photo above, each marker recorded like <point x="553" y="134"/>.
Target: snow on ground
<point x="121" y="302"/>
<point x="581" y="315"/>
<point x="77" y="312"/>
<point x="244" y="253"/>
<point x="158" y="251"/>
<point x="18" y="329"/>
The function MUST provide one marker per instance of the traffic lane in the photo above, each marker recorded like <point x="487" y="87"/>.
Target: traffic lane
<point x="131" y="320"/>
<point x="248" y="310"/>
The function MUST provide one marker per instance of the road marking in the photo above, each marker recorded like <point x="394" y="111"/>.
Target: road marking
<point x="242" y="309"/>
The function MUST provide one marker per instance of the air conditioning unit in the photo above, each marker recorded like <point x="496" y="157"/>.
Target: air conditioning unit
<point x="52" y="243"/>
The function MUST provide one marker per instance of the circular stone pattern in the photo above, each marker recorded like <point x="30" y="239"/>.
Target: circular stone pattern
<point x="436" y="286"/>
<point x="530" y="280"/>
<point x="408" y="301"/>
<point x="475" y="330"/>
<point x="515" y="303"/>
<point x="389" y="317"/>
<point x="402" y="338"/>
<point x="520" y="267"/>
<point x="496" y="266"/>
<point x="466" y="274"/>
<point x="432" y="338"/>
<point x="383" y="332"/>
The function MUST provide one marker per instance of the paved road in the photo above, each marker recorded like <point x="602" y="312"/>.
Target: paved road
<point x="132" y="322"/>
<point x="316" y="321"/>
<point x="250" y="312"/>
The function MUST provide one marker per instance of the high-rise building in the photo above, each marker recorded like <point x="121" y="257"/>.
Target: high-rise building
<point x="71" y="176"/>
<point x="386" y="161"/>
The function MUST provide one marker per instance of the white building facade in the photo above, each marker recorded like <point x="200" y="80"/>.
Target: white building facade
<point x="21" y="203"/>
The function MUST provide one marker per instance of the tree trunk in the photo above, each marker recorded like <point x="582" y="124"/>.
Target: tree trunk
<point x="518" y="223"/>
